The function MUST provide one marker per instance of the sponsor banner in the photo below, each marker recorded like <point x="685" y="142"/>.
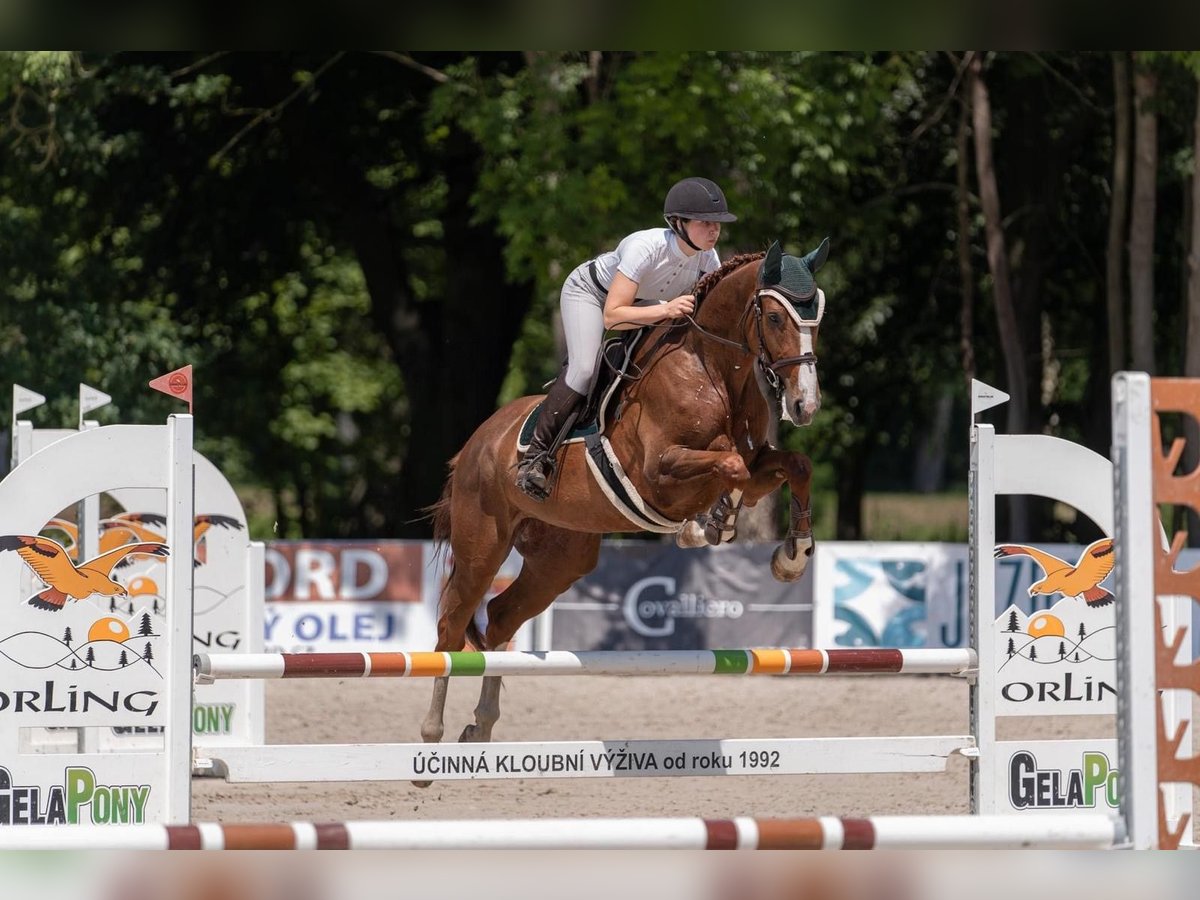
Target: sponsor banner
<point x="335" y="596"/>
<point x="1058" y="776"/>
<point x="71" y="789"/>
<point x="354" y="571"/>
<point x="654" y="596"/>
<point x="891" y="595"/>
<point x="337" y="626"/>
<point x="383" y="595"/>
<point x="339" y="596"/>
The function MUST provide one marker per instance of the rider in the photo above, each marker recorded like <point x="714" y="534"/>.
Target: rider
<point x="639" y="283"/>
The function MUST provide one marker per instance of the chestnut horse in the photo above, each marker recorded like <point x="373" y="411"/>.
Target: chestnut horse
<point x="693" y="430"/>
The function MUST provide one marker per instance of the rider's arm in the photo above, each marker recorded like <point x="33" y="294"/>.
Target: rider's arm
<point x="621" y="314"/>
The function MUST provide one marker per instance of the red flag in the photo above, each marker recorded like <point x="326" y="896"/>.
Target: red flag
<point x="177" y="384"/>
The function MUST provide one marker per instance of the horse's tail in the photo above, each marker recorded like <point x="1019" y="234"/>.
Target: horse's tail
<point x="439" y="513"/>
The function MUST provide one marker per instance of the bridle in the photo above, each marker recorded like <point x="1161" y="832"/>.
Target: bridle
<point x="770" y="368"/>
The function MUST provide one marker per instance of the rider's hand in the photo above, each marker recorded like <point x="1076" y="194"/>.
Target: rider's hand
<point x="681" y="306"/>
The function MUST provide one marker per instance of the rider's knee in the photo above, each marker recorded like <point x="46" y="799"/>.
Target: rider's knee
<point x="580" y="377"/>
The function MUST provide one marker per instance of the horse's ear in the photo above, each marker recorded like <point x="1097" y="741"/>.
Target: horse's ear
<point x="817" y="258"/>
<point x="770" y="273"/>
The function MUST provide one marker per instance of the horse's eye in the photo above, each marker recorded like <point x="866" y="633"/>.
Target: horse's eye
<point x="774" y="318"/>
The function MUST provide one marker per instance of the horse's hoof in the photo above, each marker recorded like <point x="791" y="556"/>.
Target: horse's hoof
<point x="422" y="784"/>
<point x="472" y="734"/>
<point x="786" y="568"/>
<point x="691" y="536"/>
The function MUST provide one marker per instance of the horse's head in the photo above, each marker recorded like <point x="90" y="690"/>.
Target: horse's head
<point x="788" y="307"/>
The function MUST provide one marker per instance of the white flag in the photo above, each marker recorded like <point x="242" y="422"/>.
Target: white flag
<point x="90" y="398"/>
<point x="25" y="399"/>
<point x="984" y="396"/>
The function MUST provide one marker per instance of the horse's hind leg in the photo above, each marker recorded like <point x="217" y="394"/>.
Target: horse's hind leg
<point x="554" y="560"/>
<point x="468" y="582"/>
<point x="433" y="726"/>
<point x="472" y="574"/>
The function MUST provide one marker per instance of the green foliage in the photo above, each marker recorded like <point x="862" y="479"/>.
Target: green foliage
<point x="361" y="254"/>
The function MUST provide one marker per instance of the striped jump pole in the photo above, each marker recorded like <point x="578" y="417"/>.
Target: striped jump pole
<point x="1059" y="831"/>
<point x="210" y="667"/>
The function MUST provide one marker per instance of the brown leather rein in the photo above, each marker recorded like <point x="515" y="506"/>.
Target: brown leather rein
<point x="770" y="368"/>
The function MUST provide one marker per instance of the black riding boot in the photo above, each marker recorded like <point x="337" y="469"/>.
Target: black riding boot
<point x="535" y="473"/>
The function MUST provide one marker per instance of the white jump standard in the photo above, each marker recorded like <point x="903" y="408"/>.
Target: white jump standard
<point x="993" y="782"/>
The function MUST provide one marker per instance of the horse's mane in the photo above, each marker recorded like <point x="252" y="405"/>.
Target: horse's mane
<point x="709" y="281"/>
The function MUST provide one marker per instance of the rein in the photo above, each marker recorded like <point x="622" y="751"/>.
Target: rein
<point x="770" y="368"/>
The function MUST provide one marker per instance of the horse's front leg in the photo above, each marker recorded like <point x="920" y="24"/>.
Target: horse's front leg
<point x="771" y="469"/>
<point x="681" y="467"/>
<point x="717" y="526"/>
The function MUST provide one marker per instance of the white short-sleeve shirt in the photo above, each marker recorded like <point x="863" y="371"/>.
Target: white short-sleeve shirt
<point x="653" y="259"/>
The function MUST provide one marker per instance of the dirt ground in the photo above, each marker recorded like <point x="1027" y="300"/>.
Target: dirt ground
<point x="597" y="708"/>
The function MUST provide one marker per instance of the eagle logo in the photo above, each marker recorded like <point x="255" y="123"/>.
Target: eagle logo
<point x="63" y="579"/>
<point x="1079" y="580"/>
<point x="141" y="527"/>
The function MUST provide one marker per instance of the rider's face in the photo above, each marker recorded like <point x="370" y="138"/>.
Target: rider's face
<point x="703" y="234"/>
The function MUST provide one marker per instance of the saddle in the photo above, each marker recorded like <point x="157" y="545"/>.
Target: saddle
<point x="602" y="406"/>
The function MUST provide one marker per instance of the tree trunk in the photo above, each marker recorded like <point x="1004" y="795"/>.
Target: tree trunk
<point x="453" y="390"/>
<point x="929" y="469"/>
<point x="997" y="254"/>
<point x="1118" y="215"/>
<point x="1191" y="363"/>
<point x="965" y="273"/>
<point x="1191" y="359"/>
<point x="851" y="479"/>
<point x="1141" y="225"/>
<point x="451" y="353"/>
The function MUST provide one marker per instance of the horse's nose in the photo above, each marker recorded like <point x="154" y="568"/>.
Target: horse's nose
<point x="806" y="409"/>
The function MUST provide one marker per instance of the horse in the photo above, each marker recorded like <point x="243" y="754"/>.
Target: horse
<point x="692" y="436"/>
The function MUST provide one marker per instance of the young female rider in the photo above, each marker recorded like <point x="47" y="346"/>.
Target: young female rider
<point x="641" y="282"/>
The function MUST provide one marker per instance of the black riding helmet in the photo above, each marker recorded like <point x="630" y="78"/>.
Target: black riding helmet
<point x="695" y="198"/>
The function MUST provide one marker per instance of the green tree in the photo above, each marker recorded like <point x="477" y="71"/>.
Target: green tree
<point x="361" y="252"/>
